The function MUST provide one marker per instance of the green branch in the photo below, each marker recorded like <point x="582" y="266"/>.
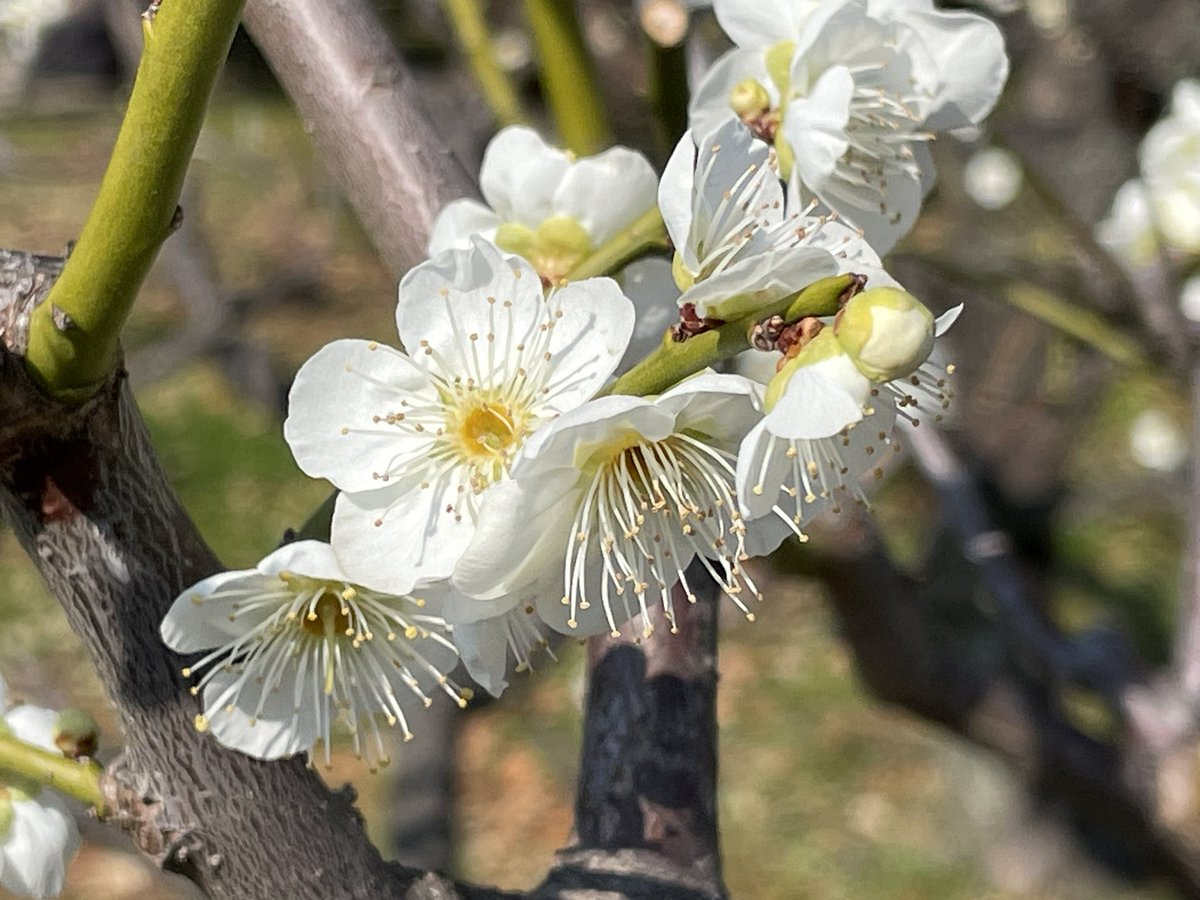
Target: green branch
<point x="470" y="27"/>
<point x="75" y="778"/>
<point x="646" y="233"/>
<point x="568" y="75"/>
<point x="672" y="361"/>
<point x="73" y="335"/>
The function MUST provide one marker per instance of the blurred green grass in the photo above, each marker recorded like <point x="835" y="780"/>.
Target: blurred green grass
<point x="824" y="794"/>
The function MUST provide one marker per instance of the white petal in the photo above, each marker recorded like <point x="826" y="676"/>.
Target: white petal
<point x="588" y="340"/>
<point x="901" y="198"/>
<point x="722" y="408"/>
<point x="313" y="559"/>
<point x="943" y="322"/>
<point x="972" y="64"/>
<point x="416" y="539"/>
<point x="443" y="301"/>
<point x="483" y="647"/>
<point x="566" y="441"/>
<point x="815" y="126"/>
<point x="649" y="284"/>
<point x="520" y="175"/>
<point x="522" y="534"/>
<point x="758" y="24"/>
<point x="40" y="842"/>
<point x="675" y="190"/>
<point x="759" y="280"/>
<point x="197" y="622"/>
<point x="709" y="107"/>
<point x="760" y="447"/>
<point x="34" y="725"/>
<point x="606" y="193"/>
<point x="337" y="411"/>
<point x="444" y="600"/>
<point x="813" y="406"/>
<point x="458" y="221"/>
<point x="279" y="730"/>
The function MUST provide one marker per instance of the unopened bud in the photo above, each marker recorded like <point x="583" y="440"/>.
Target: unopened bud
<point x="886" y="331"/>
<point x="76" y="733"/>
<point x="749" y="99"/>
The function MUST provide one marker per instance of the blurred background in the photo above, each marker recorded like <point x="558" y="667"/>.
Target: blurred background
<point x="1071" y="426"/>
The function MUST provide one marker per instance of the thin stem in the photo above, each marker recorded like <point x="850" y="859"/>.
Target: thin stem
<point x="647" y="232"/>
<point x="672" y="361"/>
<point x="568" y="75"/>
<point x="75" y="778"/>
<point x="470" y="27"/>
<point x="73" y="335"/>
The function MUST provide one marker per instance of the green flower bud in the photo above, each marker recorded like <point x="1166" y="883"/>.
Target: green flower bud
<point x="554" y="248"/>
<point x="6" y="811"/>
<point x="749" y="99"/>
<point x="886" y="331"/>
<point x="76" y="733"/>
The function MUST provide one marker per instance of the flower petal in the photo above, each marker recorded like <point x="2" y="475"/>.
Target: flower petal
<point x="649" y="285"/>
<point x="815" y="126"/>
<point x="483" y="647"/>
<point x="445" y="300"/>
<point x="312" y="559"/>
<point x="279" y="730"/>
<point x="391" y="539"/>
<point x="338" y="411"/>
<point x="520" y="175"/>
<point x="198" y="620"/>
<point x="34" y="725"/>
<point x="607" y="192"/>
<point x="588" y="340"/>
<point x="971" y="61"/>
<point x="40" y="842"/>
<point x="458" y="222"/>
<point x="813" y="406"/>
<point x="759" y="280"/>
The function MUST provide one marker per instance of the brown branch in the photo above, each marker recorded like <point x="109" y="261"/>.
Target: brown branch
<point x="645" y="811"/>
<point x="354" y="92"/>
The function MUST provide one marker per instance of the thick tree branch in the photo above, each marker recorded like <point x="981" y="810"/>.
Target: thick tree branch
<point x="356" y="95"/>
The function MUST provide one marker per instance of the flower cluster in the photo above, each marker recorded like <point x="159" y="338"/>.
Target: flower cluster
<point x="38" y="836"/>
<point x="495" y="480"/>
<point x="850" y="91"/>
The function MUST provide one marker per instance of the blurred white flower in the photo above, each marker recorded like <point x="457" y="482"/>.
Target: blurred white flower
<point x="992" y="177"/>
<point x="38" y="835"/>
<point x="414" y="441"/>
<point x="849" y="91"/>
<point x="1163" y="205"/>
<point x="609" y="505"/>
<point x="545" y="205"/>
<point x="1157" y="442"/>
<point x="1129" y="231"/>
<point x="1189" y="298"/>
<point x="22" y="22"/>
<point x="292" y="646"/>
<point x="1170" y="161"/>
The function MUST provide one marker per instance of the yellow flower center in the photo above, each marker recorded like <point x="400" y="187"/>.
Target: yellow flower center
<point x="329" y="617"/>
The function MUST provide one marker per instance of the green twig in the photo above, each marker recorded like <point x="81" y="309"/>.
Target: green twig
<point x="568" y="75"/>
<point x="73" y="335"/>
<point x="645" y="233"/>
<point x="672" y="361"/>
<point x="75" y="778"/>
<point x="470" y="27"/>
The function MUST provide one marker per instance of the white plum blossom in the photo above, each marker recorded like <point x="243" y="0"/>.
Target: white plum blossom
<point x="1170" y="162"/>
<point x="1163" y="204"/>
<point x="609" y="505"/>
<point x="830" y="410"/>
<point x="414" y="440"/>
<point x="849" y="91"/>
<point x="293" y="646"/>
<point x="736" y="249"/>
<point x="38" y="835"/>
<point x="545" y="205"/>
